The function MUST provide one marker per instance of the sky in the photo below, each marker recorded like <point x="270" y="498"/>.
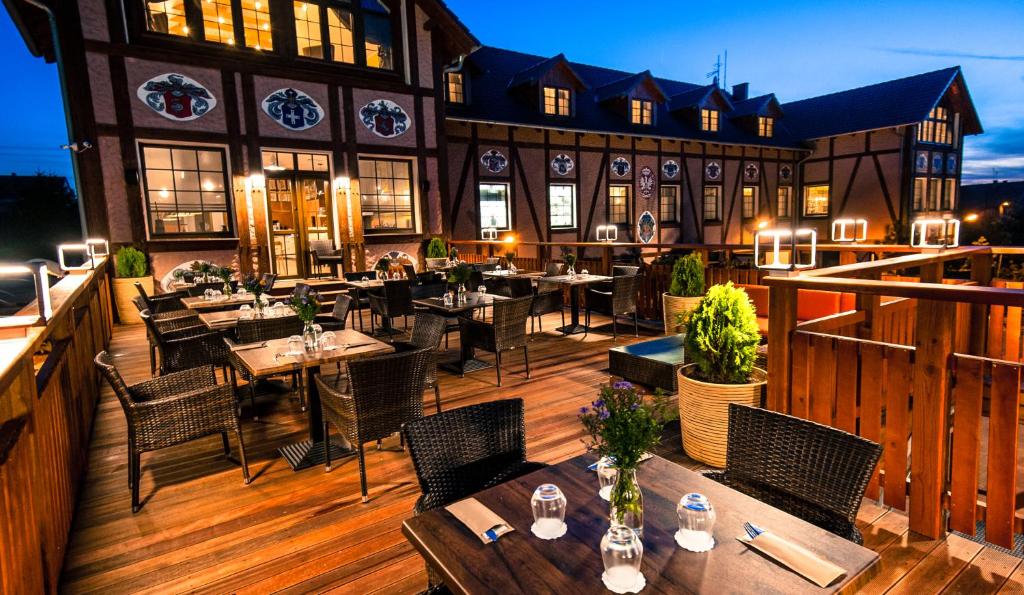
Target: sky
<point x="795" y="49"/>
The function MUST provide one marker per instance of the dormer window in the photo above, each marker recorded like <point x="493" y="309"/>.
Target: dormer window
<point x="455" y="89"/>
<point x="709" y="120"/>
<point x="936" y="128"/>
<point x="641" y="112"/>
<point x="557" y="101"/>
<point x="765" y="126"/>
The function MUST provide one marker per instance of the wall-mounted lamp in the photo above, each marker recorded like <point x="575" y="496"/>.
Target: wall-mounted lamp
<point x="257" y="182"/>
<point x="98" y="247"/>
<point x="84" y="249"/>
<point x="845" y="231"/>
<point x="509" y="239"/>
<point x="762" y="224"/>
<point x="774" y="258"/>
<point x="935" y="233"/>
<point x="40" y="276"/>
<point x="971" y="217"/>
<point x="489" y="233"/>
<point x="607" y="233"/>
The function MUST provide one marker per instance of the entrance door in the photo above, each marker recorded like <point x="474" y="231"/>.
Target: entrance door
<point x="300" y="210"/>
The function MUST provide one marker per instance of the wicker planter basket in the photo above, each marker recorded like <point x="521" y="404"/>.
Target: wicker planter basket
<point x="672" y="306"/>
<point x="124" y="291"/>
<point x="704" y="413"/>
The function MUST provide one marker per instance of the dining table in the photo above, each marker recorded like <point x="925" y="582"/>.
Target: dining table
<point x="519" y="562"/>
<point x="357" y="288"/>
<point x="575" y="283"/>
<point x="268" y="358"/>
<point x="234" y="300"/>
<point x="466" y="361"/>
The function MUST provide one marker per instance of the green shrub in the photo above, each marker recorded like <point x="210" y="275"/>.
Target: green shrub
<point x="688" y="276"/>
<point x="722" y="336"/>
<point x="436" y="248"/>
<point x="460" y="273"/>
<point x="131" y="263"/>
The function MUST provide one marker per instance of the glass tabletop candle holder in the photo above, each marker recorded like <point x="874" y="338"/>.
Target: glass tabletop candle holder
<point x="696" y="523"/>
<point x="622" y="552"/>
<point x="208" y="295"/>
<point x="448" y="299"/>
<point x="295" y="345"/>
<point x="482" y="289"/>
<point x="328" y="341"/>
<point x="548" y="505"/>
<point x="245" y="312"/>
<point x="607" y="473"/>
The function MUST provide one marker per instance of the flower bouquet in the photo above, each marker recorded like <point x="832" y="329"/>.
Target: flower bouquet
<point x="225" y="274"/>
<point x="306" y="305"/>
<point x="257" y="286"/>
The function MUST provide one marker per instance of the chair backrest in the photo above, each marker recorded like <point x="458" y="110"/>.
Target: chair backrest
<point x="624" y="270"/>
<point x="199" y="289"/>
<point x="140" y="303"/>
<point x="398" y="293"/>
<point x="268" y="281"/>
<point x="553" y="269"/>
<point x="151" y="326"/>
<point x="427" y="330"/>
<point x="496" y="285"/>
<point x="624" y="293"/>
<point x="488" y="266"/>
<point x="105" y="363"/>
<point x="509" y="321"/>
<point x="428" y="289"/>
<point x="265" y="329"/>
<point x="476" y="279"/>
<point x="388" y="390"/>
<point x="358" y="275"/>
<point x="461" y="451"/>
<point x="410" y="271"/>
<point x="342" y="306"/>
<point x="302" y="288"/>
<point x="321" y="247"/>
<point x="143" y="294"/>
<point x="427" y="277"/>
<point x="519" y="287"/>
<point x="492" y="260"/>
<point x="827" y="467"/>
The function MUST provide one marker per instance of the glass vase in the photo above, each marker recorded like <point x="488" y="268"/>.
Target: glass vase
<point x="309" y="338"/>
<point x="571" y="271"/>
<point x="627" y="502"/>
<point x="227" y="289"/>
<point x="258" y="306"/>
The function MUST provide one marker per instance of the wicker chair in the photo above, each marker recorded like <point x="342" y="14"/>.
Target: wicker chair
<point x="518" y="287"/>
<point x="158" y="304"/>
<point x="336" y="320"/>
<point x="394" y="302"/>
<point x="255" y="331"/>
<point x="186" y="348"/>
<point x="620" y="301"/>
<point x="809" y="470"/>
<point x="362" y="300"/>
<point x="622" y="269"/>
<point x="199" y="289"/>
<point x="268" y="279"/>
<point x="172" y="320"/>
<point x="322" y="253"/>
<point x="546" y="301"/>
<point x="172" y="409"/>
<point x="553" y="269"/>
<point x="374" y="400"/>
<point x="427" y="331"/>
<point x="410" y="271"/>
<point x="506" y="332"/>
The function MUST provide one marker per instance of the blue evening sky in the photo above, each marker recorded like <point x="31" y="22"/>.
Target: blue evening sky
<point x="795" y="49"/>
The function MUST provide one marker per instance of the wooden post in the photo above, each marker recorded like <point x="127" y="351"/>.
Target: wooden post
<point x="847" y="257"/>
<point x="981" y="273"/>
<point x="870" y="305"/>
<point x="935" y="334"/>
<point x="606" y="260"/>
<point x="781" y="323"/>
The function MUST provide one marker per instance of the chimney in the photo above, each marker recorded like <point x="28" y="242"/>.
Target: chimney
<point x="739" y="92"/>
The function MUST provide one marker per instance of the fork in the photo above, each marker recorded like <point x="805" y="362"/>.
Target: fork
<point x="752" y="530"/>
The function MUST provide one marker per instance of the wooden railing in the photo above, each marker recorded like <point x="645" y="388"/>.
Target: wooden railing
<point x="48" y="393"/>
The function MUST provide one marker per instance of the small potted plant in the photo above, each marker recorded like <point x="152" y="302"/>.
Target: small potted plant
<point x="131" y="268"/>
<point x="684" y="291"/>
<point x="306" y="305"/>
<point x="437" y="254"/>
<point x="624" y="425"/>
<point x="458" y="276"/>
<point x="202" y="269"/>
<point x="570" y="261"/>
<point x="225" y="274"/>
<point x="383" y="267"/>
<point x="453" y="254"/>
<point x="257" y="286"/>
<point x="509" y="257"/>
<point x="721" y="340"/>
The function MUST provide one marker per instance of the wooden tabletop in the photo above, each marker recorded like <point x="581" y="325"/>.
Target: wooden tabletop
<point x="225" y="319"/>
<point x="521" y="563"/>
<point x="507" y="273"/>
<point x="577" y="280"/>
<point x="473" y="300"/>
<point x="201" y="303"/>
<point x="368" y="284"/>
<point x="269" y="358"/>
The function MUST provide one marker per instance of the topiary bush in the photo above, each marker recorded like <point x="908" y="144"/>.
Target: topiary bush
<point x="436" y="248"/>
<point x="131" y="263"/>
<point x="687" y="276"/>
<point x="722" y="336"/>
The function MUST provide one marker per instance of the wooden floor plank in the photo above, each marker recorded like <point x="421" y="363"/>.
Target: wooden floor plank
<point x="986" y="573"/>
<point x="942" y="565"/>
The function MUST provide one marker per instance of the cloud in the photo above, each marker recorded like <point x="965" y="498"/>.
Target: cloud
<point x="999" y="152"/>
<point x="954" y="54"/>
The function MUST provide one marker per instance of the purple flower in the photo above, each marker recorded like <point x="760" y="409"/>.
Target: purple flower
<point x="603" y="414"/>
<point x="583" y="410"/>
<point x="599" y="403"/>
<point x="634" y="406"/>
<point x="622" y="385"/>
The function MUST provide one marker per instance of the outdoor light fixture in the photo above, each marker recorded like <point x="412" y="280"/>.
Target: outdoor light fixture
<point x="762" y="224"/>
<point x="257" y="182"/>
<point x="845" y="231"/>
<point x="607" y="233"/>
<point x="935" y="233"/>
<point x="783" y="240"/>
<point x="83" y="249"/>
<point x="488" y="233"/>
<point x="95" y="244"/>
<point x="40" y="276"/>
<point x="971" y="218"/>
<point x="509" y="239"/>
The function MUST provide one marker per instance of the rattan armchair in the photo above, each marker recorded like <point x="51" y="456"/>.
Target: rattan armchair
<point x="427" y="331"/>
<point x="620" y="301"/>
<point x="172" y="409"/>
<point x="323" y="253"/>
<point x="394" y="302"/>
<point x="165" y="302"/>
<point x="807" y="469"/>
<point x="268" y="281"/>
<point x="186" y="348"/>
<point x="255" y="331"/>
<point x="548" y="300"/>
<point x="507" y="331"/>
<point x="374" y="400"/>
<point x="553" y="269"/>
<point x="199" y="289"/>
<point x="338" y="317"/>
<point x="172" y="320"/>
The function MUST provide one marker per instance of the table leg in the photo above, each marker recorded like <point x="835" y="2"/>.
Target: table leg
<point x="312" y="451"/>
<point x="359" y="308"/>
<point x="467" y="361"/>
<point x="574" y="325"/>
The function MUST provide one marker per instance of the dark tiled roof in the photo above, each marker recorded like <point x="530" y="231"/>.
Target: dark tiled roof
<point x="754" y="105"/>
<point x="625" y="85"/>
<point x="695" y="97"/>
<point x="532" y="73"/>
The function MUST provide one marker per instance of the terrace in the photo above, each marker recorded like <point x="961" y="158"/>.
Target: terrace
<point x="925" y="362"/>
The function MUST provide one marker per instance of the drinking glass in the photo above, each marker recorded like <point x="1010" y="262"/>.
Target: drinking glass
<point x="584" y="272"/>
<point x="365" y="279"/>
<point x="296" y="345"/>
<point x="548" y="504"/>
<point x="621" y="552"/>
<point x="482" y="289"/>
<point x="208" y="295"/>
<point x="242" y="292"/>
<point x="448" y="299"/>
<point x="606" y="476"/>
<point x="327" y="341"/>
<point x="245" y="312"/>
<point x="696" y="522"/>
<point x="279" y="309"/>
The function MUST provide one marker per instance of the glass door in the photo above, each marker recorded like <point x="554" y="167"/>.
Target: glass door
<point x="284" y="237"/>
<point x="300" y="212"/>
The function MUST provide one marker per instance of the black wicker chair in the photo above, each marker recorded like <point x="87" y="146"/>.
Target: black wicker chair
<point x="622" y="269"/>
<point x="255" y="331"/>
<point x="809" y="470"/>
<point x="410" y="272"/>
<point x="165" y="302"/>
<point x="620" y="301"/>
<point x="427" y="331"/>
<point x="374" y="400"/>
<point x="172" y="409"/>
<point x="199" y="289"/>
<point x="186" y="348"/>
<point x="518" y="287"/>
<point x="172" y="320"/>
<point x="553" y="269"/>
<point x="546" y="301"/>
<point x="269" y="279"/>
<point x="338" y="317"/>
<point x="507" y="331"/>
<point x="323" y="253"/>
<point x="394" y="302"/>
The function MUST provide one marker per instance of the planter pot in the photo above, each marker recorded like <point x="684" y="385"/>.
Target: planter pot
<point x="124" y="291"/>
<point x="704" y="413"/>
<point x="672" y="306"/>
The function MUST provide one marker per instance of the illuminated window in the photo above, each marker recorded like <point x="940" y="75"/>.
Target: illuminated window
<point x="256" y="23"/>
<point x="749" y="202"/>
<point x="934" y="189"/>
<point x="562" y="205"/>
<point x="307" y="30"/>
<point x="949" y="194"/>
<point x="454" y="86"/>
<point x="618" y="204"/>
<point x="339" y="29"/>
<point x="920" y="188"/>
<point x="816" y="200"/>
<point x="642" y="112"/>
<point x="712" y="203"/>
<point x="494" y="206"/>
<point x="167" y="17"/>
<point x="709" y="120"/>
<point x="936" y="128"/>
<point x="765" y="126"/>
<point x="218" y="23"/>
<point x="668" y="198"/>
<point x="784" y="208"/>
<point x="377" y="34"/>
<point x="556" y="101"/>
<point x="385" y="194"/>
<point x="186" y="190"/>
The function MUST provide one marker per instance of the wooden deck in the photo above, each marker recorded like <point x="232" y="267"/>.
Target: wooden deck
<point x="202" y="530"/>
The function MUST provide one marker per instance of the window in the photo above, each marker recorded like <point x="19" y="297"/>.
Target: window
<point x="256" y="24"/>
<point x="712" y="203"/>
<point x="339" y="29"/>
<point x="920" y="189"/>
<point x="949" y="195"/>
<point x="749" y="202"/>
<point x="307" y="30"/>
<point x="934" y="189"/>
<point x="784" y="208"/>
<point x="385" y="187"/>
<point x="377" y="26"/>
<point x="213" y="20"/>
<point x="218" y="24"/>
<point x="167" y="17"/>
<point x="618" y="204"/>
<point x="494" y="211"/>
<point x="669" y="197"/>
<point x="456" y="94"/>
<point x="709" y="120"/>
<point x="816" y="200"/>
<point x="374" y="49"/>
<point x="556" y="101"/>
<point x="562" y="205"/>
<point x="765" y="126"/>
<point x="936" y="128"/>
<point x="185" y="190"/>
<point x="642" y="112"/>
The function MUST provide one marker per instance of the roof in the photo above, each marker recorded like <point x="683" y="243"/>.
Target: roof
<point x="983" y="197"/>
<point x="892" y="103"/>
<point x="626" y="84"/>
<point x="754" y="105"/>
<point x="534" y="72"/>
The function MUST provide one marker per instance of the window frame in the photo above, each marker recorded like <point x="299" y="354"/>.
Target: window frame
<point x="828" y="201"/>
<point x="949" y="187"/>
<point x="413" y="195"/>
<point x="939" y="127"/>
<point x="228" y="191"/>
<point x="557" y="113"/>
<point x="448" y="95"/>
<point x="675" y="203"/>
<point x="628" y="198"/>
<point x="575" y="211"/>
<point x="717" y="216"/>
<point x="753" y="212"/>
<point x="919" y="194"/>
<point x="508" y="206"/>
<point x="784" y="206"/>
<point x="710" y="119"/>
<point x="765" y="126"/>
<point x="638" y="109"/>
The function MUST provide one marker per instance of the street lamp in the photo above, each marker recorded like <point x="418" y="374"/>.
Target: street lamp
<point x="848" y="231"/>
<point x="774" y="257"/>
<point x="607" y="233"/>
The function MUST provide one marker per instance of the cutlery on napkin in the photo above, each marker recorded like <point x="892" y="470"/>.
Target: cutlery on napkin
<point x="482" y="521"/>
<point x="250" y="346"/>
<point x="798" y="559"/>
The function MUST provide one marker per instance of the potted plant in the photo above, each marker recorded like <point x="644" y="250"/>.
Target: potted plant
<point x="570" y="261"/>
<point x="306" y="305"/>
<point x="684" y="292"/>
<point x="202" y="269"/>
<point x="721" y="340"/>
<point x="383" y="267"/>
<point x="624" y="425"/>
<point x="458" y="276"/>
<point x="225" y="274"/>
<point x="437" y="254"/>
<point x="257" y="286"/>
<point x="130" y="268"/>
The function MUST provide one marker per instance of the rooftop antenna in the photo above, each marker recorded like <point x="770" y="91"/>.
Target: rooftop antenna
<point x="717" y="71"/>
<point x="725" y="71"/>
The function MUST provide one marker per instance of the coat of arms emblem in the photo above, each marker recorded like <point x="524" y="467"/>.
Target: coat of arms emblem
<point x="713" y="170"/>
<point x="646" y="182"/>
<point x="293" y="109"/>
<point x="646" y="227"/>
<point x="620" y="166"/>
<point x="562" y="164"/>
<point x="384" y="118"/>
<point x="921" y="161"/>
<point x="937" y="162"/>
<point x="951" y="164"/>
<point x="785" y="173"/>
<point x="176" y="97"/>
<point x="494" y="161"/>
<point x="750" y="172"/>
<point x="670" y="169"/>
